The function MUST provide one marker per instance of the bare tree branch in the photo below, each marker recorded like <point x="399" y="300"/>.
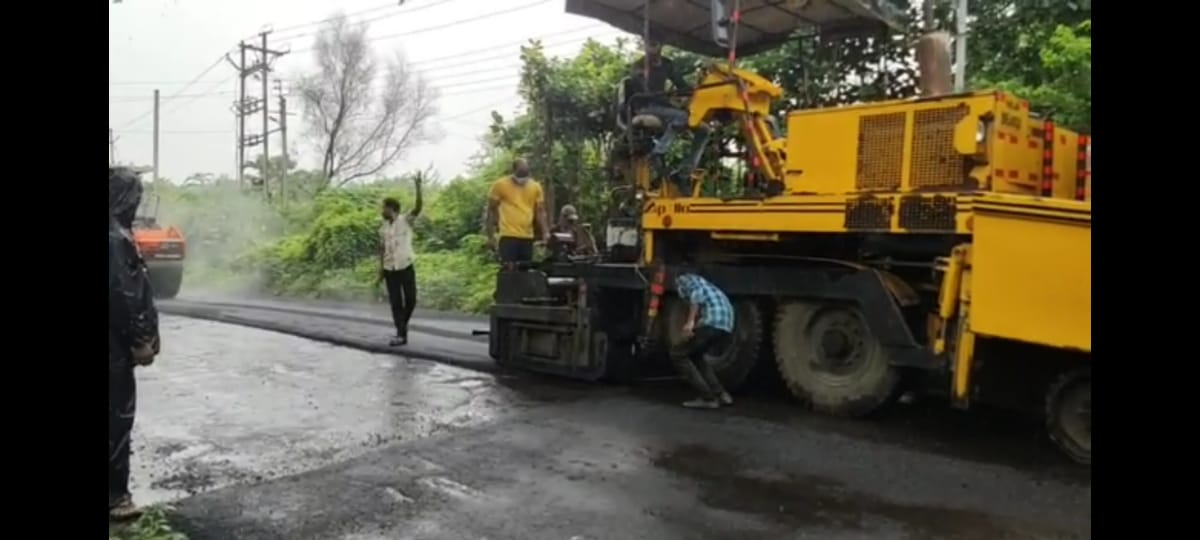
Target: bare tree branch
<point x="359" y="123"/>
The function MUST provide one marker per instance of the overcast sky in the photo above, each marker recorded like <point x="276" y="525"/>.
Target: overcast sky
<point x="166" y="44"/>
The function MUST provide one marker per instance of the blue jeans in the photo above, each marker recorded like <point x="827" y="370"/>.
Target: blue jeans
<point x="675" y="119"/>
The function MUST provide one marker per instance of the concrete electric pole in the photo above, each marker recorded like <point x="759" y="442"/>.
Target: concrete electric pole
<point x="246" y="107"/>
<point x="112" y="148"/>
<point x="960" y="46"/>
<point x="283" y="114"/>
<point x="156" y="116"/>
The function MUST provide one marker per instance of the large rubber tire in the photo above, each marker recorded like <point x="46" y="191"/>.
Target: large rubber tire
<point x="166" y="282"/>
<point x="733" y="366"/>
<point x="804" y="348"/>
<point x="1069" y="414"/>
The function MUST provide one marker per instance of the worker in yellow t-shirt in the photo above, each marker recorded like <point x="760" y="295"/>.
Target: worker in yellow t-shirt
<point x="516" y="206"/>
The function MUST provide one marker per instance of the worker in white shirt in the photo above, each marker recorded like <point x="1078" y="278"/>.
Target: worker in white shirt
<point x="396" y="262"/>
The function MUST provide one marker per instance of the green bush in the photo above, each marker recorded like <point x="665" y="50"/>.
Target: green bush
<point x="332" y="251"/>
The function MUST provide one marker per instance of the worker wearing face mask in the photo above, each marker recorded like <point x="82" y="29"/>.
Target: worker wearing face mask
<point x="516" y="211"/>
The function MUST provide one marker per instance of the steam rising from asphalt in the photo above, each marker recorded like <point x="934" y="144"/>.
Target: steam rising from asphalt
<point x="224" y="226"/>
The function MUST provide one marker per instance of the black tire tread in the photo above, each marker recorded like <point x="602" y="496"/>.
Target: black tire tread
<point x="1053" y="430"/>
<point x="794" y="316"/>
<point x="166" y="283"/>
<point x="747" y="311"/>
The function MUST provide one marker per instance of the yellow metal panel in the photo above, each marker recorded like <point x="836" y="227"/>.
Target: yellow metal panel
<point x="1032" y="270"/>
<point x="1066" y="161"/>
<point x="888" y="146"/>
<point x="814" y="165"/>
<point x="1016" y="148"/>
<point x="788" y="214"/>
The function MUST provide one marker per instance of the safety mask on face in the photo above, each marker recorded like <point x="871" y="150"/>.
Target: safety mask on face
<point x="520" y="178"/>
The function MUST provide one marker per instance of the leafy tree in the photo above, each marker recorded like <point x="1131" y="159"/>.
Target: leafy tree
<point x="361" y="118"/>
<point x="1043" y="53"/>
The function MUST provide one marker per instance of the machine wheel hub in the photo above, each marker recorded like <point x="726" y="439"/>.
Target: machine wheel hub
<point x="841" y="345"/>
<point x="1075" y="414"/>
<point x="1069" y="415"/>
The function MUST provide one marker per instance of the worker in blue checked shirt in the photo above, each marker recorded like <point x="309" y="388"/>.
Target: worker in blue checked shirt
<point x="709" y="329"/>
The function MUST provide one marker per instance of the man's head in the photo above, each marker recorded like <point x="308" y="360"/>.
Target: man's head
<point x="391" y="208"/>
<point x="653" y="48"/>
<point x="685" y="277"/>
<point x="520" y="171"/>
<point x="568" y="215"/>
<point x="124" y="194"/>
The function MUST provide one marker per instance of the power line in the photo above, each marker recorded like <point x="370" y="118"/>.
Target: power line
<point x="285" y="39"/>
<point x="486" y="80"/>
<point x="180" y="92"/>
<point x="328" y="19"/>
<point x="473" y="111"/>
<point x="185" y="103"/>
<point x="493" y="48"/>
<point x="402" y="11"/>
<point x="451" y="23"/>
<point x="457" y="88"/>
<point x="493" y="54"/>
<point x="180" y="132"/>
<point x="508" y="86"/>
<point x="127" y="99"/>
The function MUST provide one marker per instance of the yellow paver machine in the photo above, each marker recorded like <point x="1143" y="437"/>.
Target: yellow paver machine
<point x="940" y="243"/>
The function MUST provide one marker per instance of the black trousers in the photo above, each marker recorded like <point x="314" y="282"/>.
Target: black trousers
<point x="514" y="250"/>
<point x="402" y="295"/>
<point x="122" y="402"/>
<point x="694" y="368"/>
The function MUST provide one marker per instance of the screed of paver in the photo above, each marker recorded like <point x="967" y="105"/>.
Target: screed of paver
<point x="225" y="405"/>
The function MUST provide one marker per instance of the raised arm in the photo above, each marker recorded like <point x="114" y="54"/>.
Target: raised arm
<point x="416" y="210"/>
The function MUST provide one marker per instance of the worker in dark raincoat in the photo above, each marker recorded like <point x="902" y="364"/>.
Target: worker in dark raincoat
<point x="132" y="332"/>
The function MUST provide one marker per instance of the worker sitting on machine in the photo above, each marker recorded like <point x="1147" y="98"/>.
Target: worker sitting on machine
<point x="649" y="75"/>
<point x="568" y="228"/>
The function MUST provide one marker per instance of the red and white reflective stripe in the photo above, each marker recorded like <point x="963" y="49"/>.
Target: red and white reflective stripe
<point x="1048" y="160"/>
<point x="656" y="291"/>
<point x="1083" y="161"/>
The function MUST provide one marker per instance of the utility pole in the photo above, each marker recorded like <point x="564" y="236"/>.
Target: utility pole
<point x="266" y="129"/>
<point x="547" y="151"/>
<point x="156" y="135"/>
<point x="283" y="136"/>
<point x="240" y="111"/>
<point x="112" y="148"/>
<point x="246" y="107"/>
<point x="960" y="46"/>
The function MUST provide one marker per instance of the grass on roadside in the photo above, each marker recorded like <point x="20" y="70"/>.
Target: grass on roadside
<point x="153" y="525"/>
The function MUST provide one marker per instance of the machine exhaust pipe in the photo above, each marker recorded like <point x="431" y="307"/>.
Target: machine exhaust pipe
<point x="935" y="76"/>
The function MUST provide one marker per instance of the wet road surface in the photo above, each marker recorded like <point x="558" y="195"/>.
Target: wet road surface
<point x="225" y="404"/>
<point x="288" y="438"/>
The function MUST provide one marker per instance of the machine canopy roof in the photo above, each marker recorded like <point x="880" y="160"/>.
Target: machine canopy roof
<point x="765" y="24"/>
